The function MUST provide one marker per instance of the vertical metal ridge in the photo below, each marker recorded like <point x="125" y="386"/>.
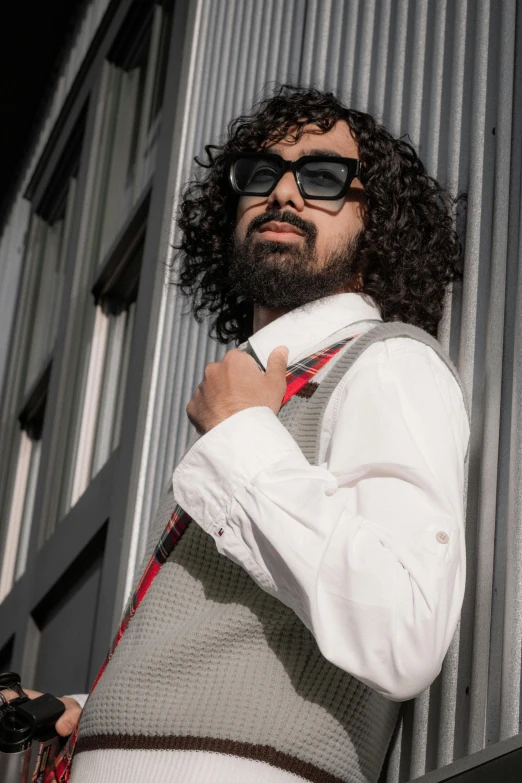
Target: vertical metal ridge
<point x="214" y="54"/>
<point x="307" y="64"/>
<point x="395" y="101"/>
<point x="261" y="54"/>
<point x="290" y="46"/>
<point x="434" y="122"/>
<point x="511" y="659"/>
<point x="419" y="737"/>
<point x="343" y="61"/>
<point x="416" y="76"/>
<point x="274" y="43"/>
<point x="339" y="35"/>
<point x="475" y="204"/>
<point x="236" y="64"/>
<point x="478" y="239"/>
<point x="11" y="254"/>
<point x="509" y="708"/>
<point x="377" y="97"/>
<point x="493" y="373"/>
<point x="497" y="709"/>
<point x="366" y="37"/>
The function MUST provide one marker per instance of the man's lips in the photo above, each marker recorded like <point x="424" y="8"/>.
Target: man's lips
<point x="281" y="229"/>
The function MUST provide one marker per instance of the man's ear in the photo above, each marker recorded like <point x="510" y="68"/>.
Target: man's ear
<point x="355" y="284"/>
<point x="359" y="282"/>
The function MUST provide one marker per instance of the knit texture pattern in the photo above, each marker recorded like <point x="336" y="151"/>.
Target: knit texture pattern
<point x="212" y="662"/>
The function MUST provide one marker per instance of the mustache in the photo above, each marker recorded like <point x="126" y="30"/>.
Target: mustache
<point x="308" y="229"/>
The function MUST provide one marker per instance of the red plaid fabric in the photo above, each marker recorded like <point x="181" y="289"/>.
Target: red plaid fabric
<point x="297" y="376"/>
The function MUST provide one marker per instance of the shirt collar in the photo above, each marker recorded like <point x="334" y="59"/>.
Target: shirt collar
<point x="306" y="327"/>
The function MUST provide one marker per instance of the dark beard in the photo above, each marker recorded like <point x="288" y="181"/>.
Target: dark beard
<point x="287" y="274"/>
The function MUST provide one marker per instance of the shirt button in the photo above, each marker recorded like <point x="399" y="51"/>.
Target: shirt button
<point x="442" y="537"/>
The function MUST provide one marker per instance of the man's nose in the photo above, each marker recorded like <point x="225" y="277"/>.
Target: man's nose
<point x="286" y="193"/>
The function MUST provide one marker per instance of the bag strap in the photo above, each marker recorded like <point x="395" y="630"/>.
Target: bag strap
<point x="312" y="415"/>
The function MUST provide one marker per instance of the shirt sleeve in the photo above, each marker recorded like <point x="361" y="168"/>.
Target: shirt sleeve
<point x="81" y="698"/>
<point x="366" y="548"/>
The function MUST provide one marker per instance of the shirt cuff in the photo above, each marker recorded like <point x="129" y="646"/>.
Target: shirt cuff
<point x="227" y="457"/>
<point x="81" y="698"/>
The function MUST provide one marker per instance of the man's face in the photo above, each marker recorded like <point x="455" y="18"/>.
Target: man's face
<point x="288" y="269"/>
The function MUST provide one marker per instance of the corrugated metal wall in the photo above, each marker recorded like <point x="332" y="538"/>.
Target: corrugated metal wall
<point x="444" y="73"/>
<point x="237" y="47"/>
<point x="13" y="235"/>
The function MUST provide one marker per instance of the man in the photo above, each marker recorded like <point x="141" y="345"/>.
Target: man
<point x="321" y="579"/>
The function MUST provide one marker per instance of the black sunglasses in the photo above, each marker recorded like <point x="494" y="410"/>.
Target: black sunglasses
<point x="321" y="177"/>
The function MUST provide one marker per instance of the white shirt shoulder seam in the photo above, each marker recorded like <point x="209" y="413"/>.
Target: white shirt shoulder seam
<point x="384" y="357"/>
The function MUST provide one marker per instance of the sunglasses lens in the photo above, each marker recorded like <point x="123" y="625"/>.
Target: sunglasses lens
<point x="323" y="179"/>
<point x="255" y="176"/>
<point x="258" y="175"/>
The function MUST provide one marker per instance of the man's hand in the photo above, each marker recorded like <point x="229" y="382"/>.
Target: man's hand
<point x="236" y="383"/>
<point x="67" y="722"/>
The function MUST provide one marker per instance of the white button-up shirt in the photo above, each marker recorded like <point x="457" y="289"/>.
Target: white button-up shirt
<point x="368" y="546"/>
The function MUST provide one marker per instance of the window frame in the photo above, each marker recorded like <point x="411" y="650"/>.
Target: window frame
<point x="29" y="373"/>
<point x="114" y="290"/>
<point x="114" y="486"/>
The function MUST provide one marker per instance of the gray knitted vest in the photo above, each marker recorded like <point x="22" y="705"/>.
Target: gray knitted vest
<point x="211" y="662"/>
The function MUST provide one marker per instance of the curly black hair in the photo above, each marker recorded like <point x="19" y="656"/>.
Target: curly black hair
<point x="408" y="251"/>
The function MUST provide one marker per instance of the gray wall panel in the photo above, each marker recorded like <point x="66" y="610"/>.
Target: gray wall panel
<point x="503" y="707"/>
<point x="510" y="717"/>
<point x="12" y="246"/>
<point x="492" y="373"/>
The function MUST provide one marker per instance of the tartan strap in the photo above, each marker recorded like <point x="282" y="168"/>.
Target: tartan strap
<point x="297" y="376"/>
